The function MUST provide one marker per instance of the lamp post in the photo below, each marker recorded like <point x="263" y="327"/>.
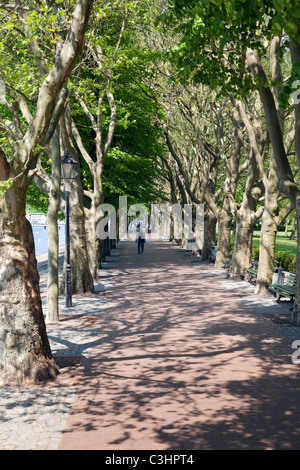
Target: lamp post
<point x="68" y="174"/>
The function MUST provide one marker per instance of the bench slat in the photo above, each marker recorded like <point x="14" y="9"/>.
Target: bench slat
<point x="285" y="290"/>
<point x="251" y="272"/>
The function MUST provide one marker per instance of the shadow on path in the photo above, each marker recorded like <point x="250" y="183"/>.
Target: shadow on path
<point x="180" y="363"/>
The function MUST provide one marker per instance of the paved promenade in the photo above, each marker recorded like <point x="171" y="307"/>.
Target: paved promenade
<point x="168" y="355"/>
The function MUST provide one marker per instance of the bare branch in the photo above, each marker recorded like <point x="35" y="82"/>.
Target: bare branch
<point x="112" y="123"/>
<point x="12" y="8"/>
<point x="80" y="145"/>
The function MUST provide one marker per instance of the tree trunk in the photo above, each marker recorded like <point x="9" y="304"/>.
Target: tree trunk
<point x="270" y="220"/>
<point x="287" y="182"/>
<point x="294" y="229"/>
<point x="209" y="235"/>
<point x="53" y="238"/>
<point x="268" y="231"/>
<point x="81" y="277"/>
<point x="95" y="216"/>
<point x="295" y="56"/>
<point x="224" y="231"/>
<point x="296" y="310"/>
<point x="286" y="227"/>
<point x="93" y="242"/>
<point x="266" y="253"/>
<point x="286" y="179"/>
<point x="246" y="219"/>
<point x="242" y="252"/>
<point x="25" y="353"/>
<point x="82" y="280"/>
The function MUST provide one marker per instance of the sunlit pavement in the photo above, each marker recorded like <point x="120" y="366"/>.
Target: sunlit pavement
<point x="172" y="356"/>
<point x="182" y="362"/>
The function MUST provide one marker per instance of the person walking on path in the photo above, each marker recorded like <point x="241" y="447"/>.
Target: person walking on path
<point x="140" y="238"/>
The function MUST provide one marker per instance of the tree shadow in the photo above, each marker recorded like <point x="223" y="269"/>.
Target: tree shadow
<point x="181" y="364"/>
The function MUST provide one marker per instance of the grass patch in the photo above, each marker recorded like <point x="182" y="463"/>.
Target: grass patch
<point x="285" y="250"/>
<point x="283" y="243"/>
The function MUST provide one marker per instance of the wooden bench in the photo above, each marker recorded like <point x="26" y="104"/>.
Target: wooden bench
<point x="285" y="290"/>
<point x="252" y="273"/>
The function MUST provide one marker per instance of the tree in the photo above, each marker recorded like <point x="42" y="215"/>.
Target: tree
<point x="25" y="350"/>
<point x="219" y="40"/>
<point x="199" y="140"/>
<point x="106" y="102"/>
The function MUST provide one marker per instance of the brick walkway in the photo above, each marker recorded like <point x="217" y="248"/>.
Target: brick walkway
<point x="180" y="363"/>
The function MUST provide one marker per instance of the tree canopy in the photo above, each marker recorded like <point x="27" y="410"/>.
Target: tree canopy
<point x="160" y="101"/>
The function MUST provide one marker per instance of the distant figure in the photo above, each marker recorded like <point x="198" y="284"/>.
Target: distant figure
<point x="140" y="238"/>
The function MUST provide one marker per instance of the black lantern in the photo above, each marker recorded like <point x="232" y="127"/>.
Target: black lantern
<point x="68" y="167"/>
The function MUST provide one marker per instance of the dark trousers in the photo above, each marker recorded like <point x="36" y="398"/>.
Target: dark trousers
<point x="140" y="245"/>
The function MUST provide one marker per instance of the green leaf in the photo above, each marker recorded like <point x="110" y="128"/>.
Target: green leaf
<point x="4" y="185"/>
<point x="291" y="28"/>
<point x="278" y="4"/>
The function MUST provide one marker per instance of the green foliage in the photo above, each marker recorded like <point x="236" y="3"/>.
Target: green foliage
<point x="284" y="260"/>
<point x="4" y="185"/>
<point x="288" y="89"/>
<point x="130" y="167"/>
<point x="36" y="201"/>
<point x="255" y="253"/>
<point x="129" y="175"/>
<point x="214" y="35"/>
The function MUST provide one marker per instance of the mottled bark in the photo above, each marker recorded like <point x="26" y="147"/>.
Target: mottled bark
<point x="287" y="183"/>
<point x="269" y="222"/>
<point x="295" y="56"/>
<point x="53" y="208"/>
<point x="224" y="231"/>
<point x="93" y="242"/>
<point x="246" y="218"/>
<point x="25" y="353"/>
<point x="209" y="235"/>
<point x="242" y="252"/>
<point x="96" y="168"/>
<point x="24" y="347"/>
<point x="296" y="310"/>
<point x="81" y="278"/>
<point x="268" y="231"/>
<point x="286" y="179"/>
